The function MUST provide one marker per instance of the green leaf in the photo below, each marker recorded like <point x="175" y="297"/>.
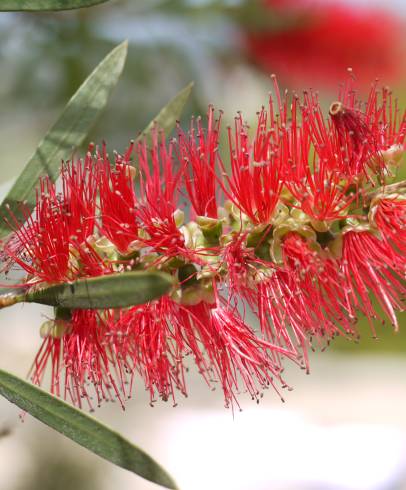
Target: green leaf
<point x="168" y="115"/>
<point x="67" y="134"/>
<point x="82" y="428"/>
<point x="35" y="5"/>
<point x="110" y="291"/>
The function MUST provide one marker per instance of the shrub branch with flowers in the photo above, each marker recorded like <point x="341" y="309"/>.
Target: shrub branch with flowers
<point x="166" y="255"/>
<point x="297" y="220"/>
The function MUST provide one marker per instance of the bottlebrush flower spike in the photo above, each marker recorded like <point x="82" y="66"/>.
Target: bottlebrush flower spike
<point x="267" y="290"/>
<point x="371" y="136"/>
<point x="81" y="353"/>
<point x="388" y="212"/>
<point x="153" y="346"/>
<point x="256" y="182"/>
<point x="371" y="266"/>
<point x="303" y="232"/>
<point x="316" y="171"/>
<point x="236" y="352"/>
<point x="79" y="192"/>
<point x="198" y="150"/>
<point x="118" y="201"/>
<point x="41" y="246"/>
<point x="158" y="202"/>
<point x="317" y="280"/>
<point x="52" y="245"/>
<point x="157" y="337"/>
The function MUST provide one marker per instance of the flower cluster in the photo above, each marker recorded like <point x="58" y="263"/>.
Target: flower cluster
<point x="295" y="226"/>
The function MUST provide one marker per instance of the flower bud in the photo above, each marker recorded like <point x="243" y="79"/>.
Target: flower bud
<point x="55" y="329"/>
<point x="211" y="229"/>
<point x="179" y="217"/>
<point x="393" y="155"/>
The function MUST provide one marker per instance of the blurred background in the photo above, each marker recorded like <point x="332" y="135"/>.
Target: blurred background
<point x="344" y="426"/>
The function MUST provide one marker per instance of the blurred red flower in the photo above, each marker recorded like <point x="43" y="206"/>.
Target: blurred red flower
<point x="320" y="41"/>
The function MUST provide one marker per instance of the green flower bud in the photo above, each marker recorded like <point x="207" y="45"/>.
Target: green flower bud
<point x="55" y="329"/>
<point x="211" y="229"/>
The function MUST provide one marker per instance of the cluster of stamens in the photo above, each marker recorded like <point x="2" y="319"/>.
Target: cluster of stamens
<point x="299" y="222"/>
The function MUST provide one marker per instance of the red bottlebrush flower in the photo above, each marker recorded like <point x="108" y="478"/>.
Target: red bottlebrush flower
<point x="354" y="145"/>
<point x="282" y="314"/>
<point x="351" y="127"/>
<point x="368" y="136"/>
<point x="234" y="351"/>
<point x="313" y="167"/>
<point x="41" y="245"/>
<point x="370" y="266"/>
<point x="319" y="281"/>
<point x="255" y="281"/>
<point x="321" y="41"/>
<point x="378" y="120"/>
<point x="286" y="246"/>
<point x="79" y="191"/>
<point x="47" y="244"/>
<point x="158" y="337"/>
<point x="240" y="260"/>
<point x="158" y="197"/>
<point x="256" y="182"/>
<point x="152" y="346"/>
<point x="80" y="352"/>
<point x="198" y="150"/>
<point x="389" y="215"/>
<point x="301" y="298"/>
<point x="118" y="201"/>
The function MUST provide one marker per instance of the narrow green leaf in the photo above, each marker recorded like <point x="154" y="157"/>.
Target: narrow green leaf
<point x="82" y="428"/>
<point x="168" y="115"/>
<point x="36" y="5"/>
<point x="111" y="291"/>
<point x="67" y="134"/>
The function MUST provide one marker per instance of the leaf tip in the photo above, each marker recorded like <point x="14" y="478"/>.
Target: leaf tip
<point x="124" y="45"/>
<point x="189" y="87"/>
<point x="122" y="48"/>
